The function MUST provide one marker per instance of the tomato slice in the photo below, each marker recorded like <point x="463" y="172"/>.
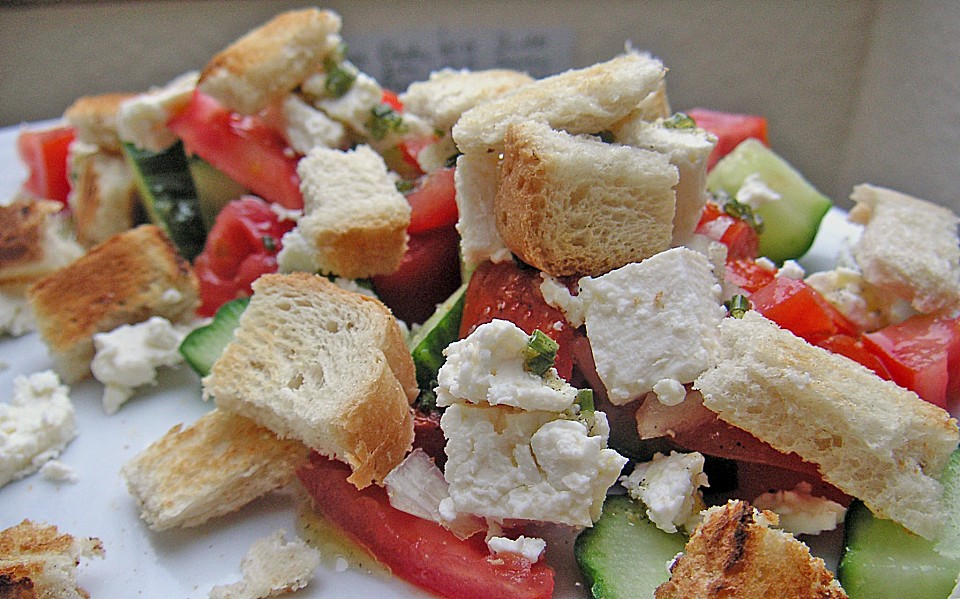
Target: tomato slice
<point x="433" y="202"/>
<point x="428" y="274"/>
<point x="244" y="147"/>
<point x="742" y="241"/>
<point x="853" y="348"/>
<point x="800" y="309"/>
<point x="746" y="274"/>
<point x="730" y="129"/>
<point x="922" y="354"/>
<point x="390" y="99"/>
<point x="420" y="551"/>
<point x="510" y="292"/>
<point x="241" y="246"/>
<point x="44" y="152"/>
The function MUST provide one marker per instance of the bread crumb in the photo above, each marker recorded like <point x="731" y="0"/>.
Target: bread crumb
<point x="272" y="566"/>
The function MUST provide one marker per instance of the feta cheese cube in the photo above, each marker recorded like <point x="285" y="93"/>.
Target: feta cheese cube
<point x="530" y="548"/>
<point x="670" y="488"/>
<point x="16" y="318"/>
<point x="142" y="120"/>
<point x="307" y="127"/>
<point x="653" y="320"/>
<point x="801" y="512"/>
<point x="35" y="426"/>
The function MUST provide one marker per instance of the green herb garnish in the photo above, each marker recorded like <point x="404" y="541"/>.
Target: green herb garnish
<point x="540" y="353"/>
<point x="680" y="120"/>
<point x="737" y="306"/>
<point x="384" y="120"/>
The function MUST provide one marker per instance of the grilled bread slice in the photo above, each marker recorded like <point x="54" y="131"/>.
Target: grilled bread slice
<point x="127" y="279"/>
<point x="33" y="243"/>
<point x="36" y="560"/>
<point x="330" y="367"/>
<point x="96" y="120"/>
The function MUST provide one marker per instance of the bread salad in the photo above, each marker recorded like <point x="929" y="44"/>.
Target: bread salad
<point x="481" y="316"/>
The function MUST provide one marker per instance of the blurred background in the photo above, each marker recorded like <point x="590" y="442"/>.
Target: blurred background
<point x="854" y="91"/>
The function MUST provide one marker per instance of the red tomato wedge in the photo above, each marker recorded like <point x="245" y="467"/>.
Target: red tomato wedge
<point x="730" y="129"/>
<point x="741" y="239"/>
<point x="244" y="147"/>
<point x="390" y="99"/>
<point x="510" y="292"/>
<point x="428" y="274"/>
<point x="433" y="202"/>
<point x="853" y="348"/>
<point x="241" y="246"/>
<point x="44" y="152"/>
<point x="922" y="354"/>
<point x="800" y="309"/>
<point x="419" y="551"/>
<point x="746" y="274"/>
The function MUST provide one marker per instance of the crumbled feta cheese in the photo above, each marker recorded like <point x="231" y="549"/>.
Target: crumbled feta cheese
<point x="669" y="392"/>
<point x="670" y="488"/>
<point x="285" y="213"/>
<point x="557" y="295"/>
<point x="800" y="512"/>
<point x="35" y="426"/>
<point x="307" y="127"/>
<point x="16" y="318"/>
<point x="653" y="320"/>
<point x="530" y="465"/>
<point x="754" y="192"/>
<point x="765" y="263"/>
<point x="58" y="472"/>
<point x="865" y="305"/>
<point x="529" y="547"/>
<point x="352" y="108"/>
<point x="129" y="356"/>
<point x="142" y="120"/>
<point x="488" y="367"/>
<point x="791" y="269"/>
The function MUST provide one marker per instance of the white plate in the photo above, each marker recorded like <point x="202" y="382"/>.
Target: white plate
<point x="187" y="563"/>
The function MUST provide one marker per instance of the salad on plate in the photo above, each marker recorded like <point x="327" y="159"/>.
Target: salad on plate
<point x="277" y="329"/>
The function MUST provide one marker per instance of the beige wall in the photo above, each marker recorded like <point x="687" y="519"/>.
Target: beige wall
<point x="799" y="63"/>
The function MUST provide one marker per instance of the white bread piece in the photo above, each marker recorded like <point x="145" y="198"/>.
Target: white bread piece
<point x="475" y="179"/>
<point x="653" y="107"/>
<point x="735" y="552"/>
<point x="329" y="367"/>
<point x="213" y="467"/>
<point x="868" y="437"/>
<point x="575" y="205"/>
<point x="126" y="279"/>
<point x="272" y="60"/>
<point x="448" y="93"/>
<point x="103" y="195"/>
<point x="142" y="119"/>
<point x="34" y="242"/>
<point x="909" y="247"/>
<point x="688" y="150"/>
<point x="585" y="100"/>
<point x="273" y="566"/>
<point x="355" y="221"/>
<point x="96" y="120"/>
<point x="37" y="561"/>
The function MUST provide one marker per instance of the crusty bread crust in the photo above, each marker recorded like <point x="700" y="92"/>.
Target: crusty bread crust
<point x="127" y="279"/>
<point x="36" y="560"/>
<point x="578" y="206"/>
<point x="869" y="437"/>
<point x="585" y="100"/>
<point x="31" y="245"/>
<point x="909" y="247"/>
<point x="443" y="97"/>
<point x="329" y="367"/>
<point x="213" y="467"/>
<point x="103" y="198"/>
<point x="95" y="118"/>
<point x="734" y="553"/>
<point x="270" y="61"/>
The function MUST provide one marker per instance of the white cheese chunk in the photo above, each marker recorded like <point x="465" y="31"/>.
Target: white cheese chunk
<point x="865" y="305"/>
<point x="557" y="295"/>
<point x="653" y="320"/>
<point x="801" y="512"/>
<point x="476" y="184"/>
<point x="35" y="426"/>
<point x="129" y="356"/>
<point x="352" y="108"/>
<point x="16" y="318"/>
<point x="530" y="548"/>
<point x="58" y="472"/>
<point x="528" y="465"/>
<point x="488" y="367"/>
<point x="306" y="127"/>
<point x="142" y="120"/>
<point x="754" y="192"/>
<point x="670" y="488"/>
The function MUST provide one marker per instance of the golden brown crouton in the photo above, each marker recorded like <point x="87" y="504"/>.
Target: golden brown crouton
<point x="37" y="561"/>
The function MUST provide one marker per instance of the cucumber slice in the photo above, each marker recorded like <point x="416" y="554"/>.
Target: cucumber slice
<point x="948" y="544"/>
<point x="791" y="223"/>
<point x="884" y="560"/>
<point x="201" y="348"/>
<point x="428" y="343"/>
<point x="214" y="189"/>
<point x="625" y="554"/>
<point x="166" y="190"/>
